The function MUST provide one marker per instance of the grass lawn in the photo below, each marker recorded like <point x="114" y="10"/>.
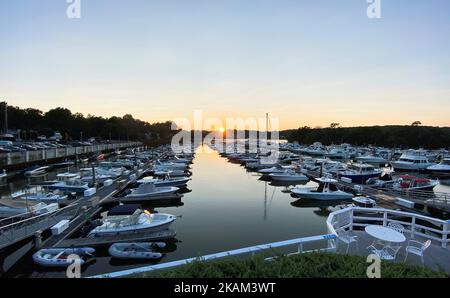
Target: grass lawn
<point x="306" y="265"/>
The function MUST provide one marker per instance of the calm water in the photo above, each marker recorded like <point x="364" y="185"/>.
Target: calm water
<point x="228" y="208"/>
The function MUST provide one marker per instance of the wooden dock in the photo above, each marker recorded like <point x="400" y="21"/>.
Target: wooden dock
<point x="105" y="240"/>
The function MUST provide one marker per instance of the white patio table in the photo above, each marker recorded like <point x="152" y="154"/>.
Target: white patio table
<point x="385" y="234"/>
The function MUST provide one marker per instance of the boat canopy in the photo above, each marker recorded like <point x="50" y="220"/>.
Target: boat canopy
<point x="125" y="209"/>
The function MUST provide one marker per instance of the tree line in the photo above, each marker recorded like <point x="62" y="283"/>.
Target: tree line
<point x="75" y="126"/>
<point x="393" y="136"/>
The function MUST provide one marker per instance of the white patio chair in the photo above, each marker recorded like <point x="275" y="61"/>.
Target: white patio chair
<point x="376" y="245"/>
<point x="348" y="239"/>
<point x="388" y="253"/>
<point x="396" y="227"/>
<point x="417" y="248"/>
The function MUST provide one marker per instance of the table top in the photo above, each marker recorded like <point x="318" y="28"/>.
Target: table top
<point x="385" y="234"/>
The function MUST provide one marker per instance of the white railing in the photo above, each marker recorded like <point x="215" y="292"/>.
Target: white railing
<point x="14" y="232"/>
<point x="415" y="224"/>
<point x="299" y="242"/>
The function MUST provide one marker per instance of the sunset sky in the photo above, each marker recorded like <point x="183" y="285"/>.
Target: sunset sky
<point x="305" y="62"/>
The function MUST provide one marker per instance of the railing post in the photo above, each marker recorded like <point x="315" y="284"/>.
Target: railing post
<point x="351" y="219"/>
<point x="384" y="218"/>
<point x="413" y="227"/>
<point x="444" y="233"/>
<point x="300" y="248"/>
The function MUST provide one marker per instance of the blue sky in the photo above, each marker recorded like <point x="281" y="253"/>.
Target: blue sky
<point x="305" y="62"/>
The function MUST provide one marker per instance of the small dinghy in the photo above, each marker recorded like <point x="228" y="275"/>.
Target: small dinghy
<point x="58" y="257"/>
<point x="144" y="250"/>
<point x="364" y="202"/>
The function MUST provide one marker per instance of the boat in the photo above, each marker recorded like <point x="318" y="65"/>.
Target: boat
<point x="359" y="173"/>
<point x="385" y="180"/>
<point x="63" y="164"/>
<point x="3" y="177"/>
<point x="69" y="182"/>
<point x="148" y="191"/>
<point x="39" y="195"/>
<point x="441" y="169"/>
<point x="412" y="162"/>
<point x="336" y="153"/>
<point x="59" y="257"/>
<point x="139" y="250"/>
<point x="173" y="173"/>
<point x="364" y="202"/>
<point x="316" y="149"/>
<point x="372" y="159"/>
<point x="327" y="190"/>
<point x="130" y="218"/>
<point x="101" y="174"/>
<point x="165" y="181"/>
<point x="36" y="171"/>
<point x="171" y="165"/>
<point x="413" y="183"/>
<point x="288" y="175"/>
<point x="274" y="170"/>
<point x="24" y="208"/>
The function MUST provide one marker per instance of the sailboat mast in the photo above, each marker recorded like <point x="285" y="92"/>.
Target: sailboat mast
<point x="6" y="118"/>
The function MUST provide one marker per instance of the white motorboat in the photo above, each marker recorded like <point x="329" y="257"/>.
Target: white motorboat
<point x="59" y="257"/>
<point x="148" y="191"/>
<point x="372" y="159"/>
<point x="171" y="166"/>
<point x="39" y="195"/>
<point x="412" y="162"/>
<point x="9" y="208"/>
<point x="337" y="153"/>
<point x="172" y="173"/>
<point x="36" y="171"/>
<point x="137" y="250"/>
<point x="69" y="182"/>
<point x="327" y="190"/>
<point x="101" y="174"/>
<point x="125" y="219"/>
<point x="288" y="175"/>
<point x="442" y="169"/>
<point x="166" y="181"/>
<point x="274" y="170"/>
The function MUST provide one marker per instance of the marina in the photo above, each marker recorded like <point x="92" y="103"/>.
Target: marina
<point x="202" y="215"/>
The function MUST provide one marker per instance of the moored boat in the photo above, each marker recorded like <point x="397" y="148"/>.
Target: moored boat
<point x="327" y="190"/>
<point x="442" y="169"/>
<point x="288" y="175"/>
<point x="136" y="250"/>
<point x="59" y="257"/>
<point x="147" y="191"/>
<point x="125" y="219"/>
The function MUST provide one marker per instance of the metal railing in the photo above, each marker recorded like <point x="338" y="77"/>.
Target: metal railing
<point x="416" y="225"/>
<point x="299" y="242"/>
<point x="17" y="231"/>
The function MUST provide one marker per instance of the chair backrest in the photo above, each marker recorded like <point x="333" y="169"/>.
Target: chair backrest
<point x="396" y="227"/>
<point x="426" y="245"/>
